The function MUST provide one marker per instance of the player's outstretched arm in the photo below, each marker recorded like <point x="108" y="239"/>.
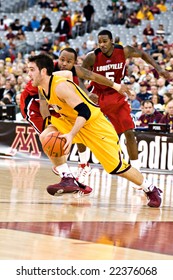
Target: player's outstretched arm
<point x="134" y="52"/>
<point x="86" y="74"/>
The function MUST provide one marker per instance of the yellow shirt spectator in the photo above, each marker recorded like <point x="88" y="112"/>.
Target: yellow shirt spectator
<point x="162" y="6"/>
<point x="144" y="13"/>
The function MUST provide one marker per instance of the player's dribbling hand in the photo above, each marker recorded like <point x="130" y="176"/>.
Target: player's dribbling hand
<point x="67" y="146"/>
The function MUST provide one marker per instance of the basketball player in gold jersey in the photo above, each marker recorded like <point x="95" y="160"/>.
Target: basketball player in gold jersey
<point x="82" y="121"/>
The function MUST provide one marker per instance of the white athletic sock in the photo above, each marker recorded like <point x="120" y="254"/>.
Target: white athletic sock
<point x="82" y="157"/>
<point x="135" y="163"/>
<point x="146" y="186"/>
<point x="63" y="169"/>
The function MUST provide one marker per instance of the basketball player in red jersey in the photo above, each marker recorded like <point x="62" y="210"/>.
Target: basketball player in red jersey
<point x="109" y="60"/>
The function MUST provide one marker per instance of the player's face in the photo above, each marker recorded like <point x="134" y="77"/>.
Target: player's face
<point x="66" y="60"/>
<point x="34" y="74"/>
<point x="105" y="44"/>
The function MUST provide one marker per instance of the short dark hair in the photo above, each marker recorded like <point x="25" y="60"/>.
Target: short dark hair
<point x="105" y="32"/>
<point x="43" y="61"/>
<point x="70" y="50"/>
<point x="148" y="101"/>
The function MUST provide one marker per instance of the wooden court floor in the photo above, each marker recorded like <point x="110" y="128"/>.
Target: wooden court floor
<point x="113" y="223"/>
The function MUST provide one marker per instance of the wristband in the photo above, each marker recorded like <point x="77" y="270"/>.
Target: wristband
<point x="116" y="86"/>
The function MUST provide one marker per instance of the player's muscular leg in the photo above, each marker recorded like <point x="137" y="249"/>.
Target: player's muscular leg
<point x="131" y="144"/>
<point x="133" y="175"/>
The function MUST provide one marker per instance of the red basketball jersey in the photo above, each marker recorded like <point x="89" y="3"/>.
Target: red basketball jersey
<point x="113" y="104"/>
<point x="112" y="67"/>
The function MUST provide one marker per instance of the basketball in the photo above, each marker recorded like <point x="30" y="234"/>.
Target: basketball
<point x="53" y="144"/>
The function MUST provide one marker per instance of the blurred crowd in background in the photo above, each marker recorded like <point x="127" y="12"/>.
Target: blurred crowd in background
<point x="149" y="92"/>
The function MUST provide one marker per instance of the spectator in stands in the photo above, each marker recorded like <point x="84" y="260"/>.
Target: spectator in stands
<point x="134" y="70"/>
<point x="10" y="34"/>
<point x="145" y="13"/>
<point x="7" y="91"/>
<point x="2" y="79"/>
<point x="140" y="112"/>
<point x="161" y="83"/>
<point x="167" y="96"/>
<point x="62" y="6"/>
<point x="154" y="8"/>
<point x="69" y="20"/>
<point x="7" y="20"/>
<point x="162" y="7"/>
<point x="120" y="19"/>
<point x="88" y="12"/>
<point x="159" y="52"/>
<point x="112" y="6"/>
<point x="20" y="35"/>
<point x="5" y="101"/>
<point x="45" y="21"/>
<point x="134" y="103"/>
<point x="153" y="82"/>
<point x="46" y="27"/>
<point x="148" y="30"/>
<point x="168" y="117"/>
<point x="35" y="24"/>
<point x="132" y="20"/>
<point x="134" y="42"/>
<point x="27" y="27"/>
<point x="155" y="98"/>
<point x="150" y="115"/>
<point x="170" y="86"/>
<point x="19" y="58"/>
<point x="122" y="8"/>
<point x="90" y="42"/>
<point x="154" y="91"/>
<point x="43" y="4"/>
<point x="63" y="27"/>
<point x="19" y="85"/>
<point x="83" y="49"/>
<point x="160" y="30"/>
<point x="169" y="64"/>
<point x="117" y="40"/>
<point x="31" y="3"/>
<point x="78" y="24"/>
<point x="19" y="116"/>
<point x="56" y="47"/>
<point x="15" y="26"/>
<point x="154" y="43"/>
<point x="4" y="51"/>
<point x="20" y="41"/>
<point x="74" y="18"/>
<point x="53" y="5"/>
<point x="148" y="48"/>
<point x="144" y="42"/>
<point x="143" y="94"/>
<point x="3" y="26"/>
<point x="46" y="45"/>
<point x="134" y="85"/>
